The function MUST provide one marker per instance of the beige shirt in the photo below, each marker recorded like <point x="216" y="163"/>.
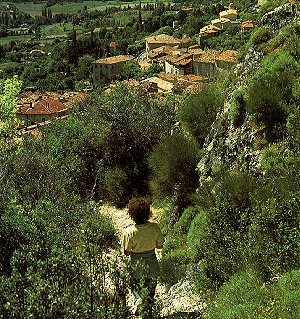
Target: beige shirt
<point x="142" y="238"/>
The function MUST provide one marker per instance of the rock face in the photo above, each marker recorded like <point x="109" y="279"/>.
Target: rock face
<point x="230" y="147"/>
<point x="227" y="145"/>
<point x="279" y="17"/>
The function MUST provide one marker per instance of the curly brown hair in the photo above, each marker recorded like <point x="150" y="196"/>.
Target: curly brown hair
<point x="139" y="210"/>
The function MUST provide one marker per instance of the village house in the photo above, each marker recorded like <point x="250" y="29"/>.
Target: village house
<point x="208" y="31"/>
<point x="41" y="111"/>
<point x="160" y="52"/>
<point x="182" y="64"/>
<point x="157" y="85"/>
<point x="226" y="18"/>
<point x="227" y="59"/>
<point x="222" y="23"/>
<point x="207" y="64"/>
<point x="157" y="41"/>
<point x="107" y="69"/>
<point x="247" y="25"/>
<point x="230" y="14"/>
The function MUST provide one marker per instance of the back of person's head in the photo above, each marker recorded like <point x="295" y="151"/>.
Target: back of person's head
<point x="139" y="210"/>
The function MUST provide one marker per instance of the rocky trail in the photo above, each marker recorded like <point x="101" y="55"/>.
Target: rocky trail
<point x="178" y="301"/>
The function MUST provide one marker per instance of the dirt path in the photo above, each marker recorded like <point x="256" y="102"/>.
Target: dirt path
<point x="181" y="300"/>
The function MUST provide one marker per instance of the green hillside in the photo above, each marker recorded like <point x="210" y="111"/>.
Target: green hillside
<point x="222" y="165"/>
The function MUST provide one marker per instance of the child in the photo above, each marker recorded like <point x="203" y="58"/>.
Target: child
<point x="139" y="242"/>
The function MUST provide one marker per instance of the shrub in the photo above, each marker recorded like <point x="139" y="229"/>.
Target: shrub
<point x="287" y="296"/>
<point x="173" y="266"/>
<point x="217" y="236"/>
<point x="246" y="295"/>
<point x="241" y="297"/>
<point x="54" y="277"/>
<point x="259" y="37"/>
<point x="173" y="163"/>
<point x="97" y="231"/>
<point x="198" y="111"/>
<point x="115" y="187"/>
<point x="237" y="111"/>
<point x="14" y="231"/>
<point x="270" y="93"/>
<point x="176" y="255"/>
<point x="274" y="235"/>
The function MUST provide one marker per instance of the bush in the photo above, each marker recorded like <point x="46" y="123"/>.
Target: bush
<point x="14" y="231"/>
<point x="246" y="295"/>
<point x="217" y="236"/>
<point x="241" y="297"/>
<point x="274" y="235"/>
<point x="97" y="231"/>
<point x="115" y="187"/>
<point x="173" y="266"/>
<point x="176" y="255"/>
<point x="53" y="277"/>
<point x="259" y="37"/>
<point x="287" y="296"/>
<point x="198" y="111"/>
<point x="271" y="93"/>
<point x="173" y="163"/>
<point x="237" y="111"/>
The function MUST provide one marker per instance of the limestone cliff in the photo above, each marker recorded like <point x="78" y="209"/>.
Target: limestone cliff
<point x="236" y="148"/>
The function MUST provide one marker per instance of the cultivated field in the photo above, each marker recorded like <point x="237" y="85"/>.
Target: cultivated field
<point x="72" y="7"/>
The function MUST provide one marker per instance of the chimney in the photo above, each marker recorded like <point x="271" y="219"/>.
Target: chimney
<point x="20" y="107"/>
<point x="31" y="105"/>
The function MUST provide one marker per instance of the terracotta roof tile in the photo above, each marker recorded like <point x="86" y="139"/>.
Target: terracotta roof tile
<point x="163" y="39"/>
<point x="187" y="77"/>
<point x="209" y="29"/>
<point x="114" y="59"/>
<point x="228" y="56"/>
<point x="47" y="106"/>
<point x="178" y="60"/>
<point x="157" y="52"/>
<point x="248" y="24"/>
<point x="208" y="56"/>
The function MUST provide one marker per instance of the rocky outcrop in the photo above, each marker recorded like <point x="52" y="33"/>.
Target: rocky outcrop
<point x="279" y="17"/>
<point x="230" y="147"/>
<point x="226" y="145"/>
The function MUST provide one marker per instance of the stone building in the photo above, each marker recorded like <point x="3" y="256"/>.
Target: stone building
<point x="107" y="69"/>
<point x="157" y="41"/>
<point x="42" y="111"/>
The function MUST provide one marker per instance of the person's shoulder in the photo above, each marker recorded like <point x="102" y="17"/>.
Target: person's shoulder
<point x="130" y="229"/>
<point x="154" y="225"/>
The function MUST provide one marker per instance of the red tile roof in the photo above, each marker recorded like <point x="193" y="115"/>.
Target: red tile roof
<point x="228" y="56"/>
<point x="47" y="106"/>
<point x="114" y="59"/>
<point x="163" y="39"/>
<point x="181" y="60"/>
<point x="208" y="56"/>
<point x="248" y="24"/>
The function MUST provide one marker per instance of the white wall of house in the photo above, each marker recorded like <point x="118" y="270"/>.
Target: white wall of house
<point x="171" y="68"/>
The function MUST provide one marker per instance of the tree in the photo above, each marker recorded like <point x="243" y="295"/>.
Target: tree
<point x="8" y="122"/>
<point x="131" y="69"/>
<point x="198" y="111"/>
<point x="85" y="67"/>
<point x="173" y="163"/>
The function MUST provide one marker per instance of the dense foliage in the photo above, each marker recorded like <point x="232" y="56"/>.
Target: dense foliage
<point x="54" y="240"/>
<point x="236" y="234"/>
<point x="240" y="236"/>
